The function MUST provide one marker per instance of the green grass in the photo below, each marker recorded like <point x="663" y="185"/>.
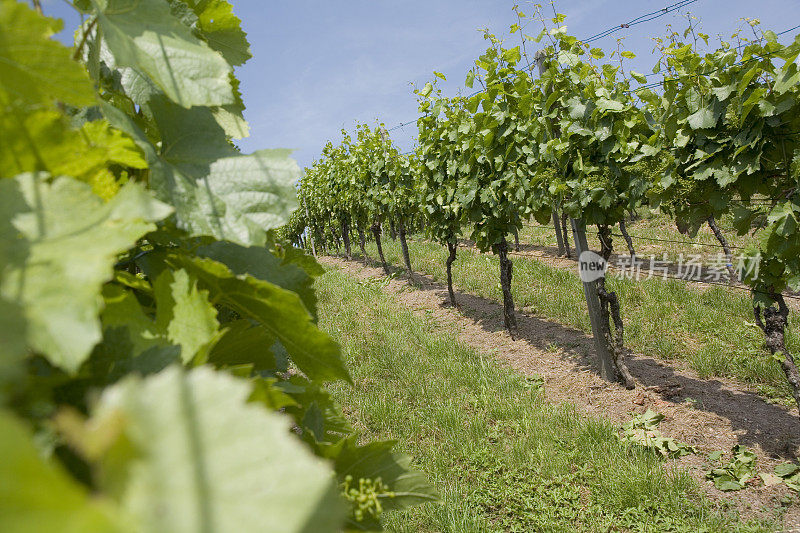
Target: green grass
<point x="713" y="329"/>
<point x="501" y="457"/>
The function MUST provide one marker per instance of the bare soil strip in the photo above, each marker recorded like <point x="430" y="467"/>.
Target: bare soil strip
<point x="710" y="414"/>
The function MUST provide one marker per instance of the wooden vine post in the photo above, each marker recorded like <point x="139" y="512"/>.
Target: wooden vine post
<point x="604" y="358"/>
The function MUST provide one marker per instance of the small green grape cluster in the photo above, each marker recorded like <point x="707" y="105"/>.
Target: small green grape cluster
<point x="365" y="497"/>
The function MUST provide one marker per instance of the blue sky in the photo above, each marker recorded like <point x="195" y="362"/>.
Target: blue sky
<point x="320" y="66"/>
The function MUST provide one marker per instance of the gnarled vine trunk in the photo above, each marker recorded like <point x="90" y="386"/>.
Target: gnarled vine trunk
<point x="506" y="267"/>
<point x="516" y="240"/>
<point x="376" y="232"/>
<point x="392" y="229"/>
<point x="346" y="238"/>
<point x="609" y="310"/>
<point x="625" y="235"/>
<point x="401" y="231"/>
<point x="452" y="247"/>
<point x="565" y="234"/>
<point x="362" y="243"/>
<point x="725" y="247"/>
<point x="773" y="325"/>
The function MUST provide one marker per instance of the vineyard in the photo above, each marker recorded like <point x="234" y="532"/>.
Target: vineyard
<point x="572" y="306"/>
<point x="566" y="147"/>
<point x="580" y="141"/>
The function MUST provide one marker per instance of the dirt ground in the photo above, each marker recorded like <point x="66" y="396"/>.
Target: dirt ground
<point x="710" y="414"/>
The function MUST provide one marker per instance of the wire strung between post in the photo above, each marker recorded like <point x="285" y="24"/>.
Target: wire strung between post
<point x="664" y="275"/>
<point x="638" y="20"/>
<point x="654" y="239"/>
<point x="647" y="17"/>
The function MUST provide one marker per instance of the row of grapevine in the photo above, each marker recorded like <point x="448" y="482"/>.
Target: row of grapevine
<point x="160" y="364"/>
<point x="716" y="136"/>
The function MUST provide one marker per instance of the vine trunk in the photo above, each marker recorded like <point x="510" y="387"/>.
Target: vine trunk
<point x="773" y="325"/>
<point x="346" y="238"/>
<point x="712" y="223"/>
<point x="376" y="232"/>
<point x="506" y="268"/>
<point x="452" y="247"/>
<point x="401" y="232"/>
<point x="609" y="310"/>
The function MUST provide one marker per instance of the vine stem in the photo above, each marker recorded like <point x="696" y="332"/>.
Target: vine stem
<point x="376" y="232"/>
<point x="610" y="310"/>
<point x="401" y="233"/>
<point x="623" y="228"/>
<point x="79" y="50"/>
<point x="773" y="325"/>
<point x="712" y="223"/>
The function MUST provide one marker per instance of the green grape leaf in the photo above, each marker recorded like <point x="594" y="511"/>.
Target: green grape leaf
<point x="216" y="191"/>
<point x="605" y="104"/>
<point x="376" y="459"/>
<point x="278" y="310"/>
<point x="783" y="219"/>
<point x="146" y="37"/>
<point x="786" y="469"/>
<point x="58" y="245"/>
<point x="185" y="324"/>
<point x="641" y="78"/>
<point x="12" y="342"/>
<point x="128" y="330"/>
<point x="184" y="313"/>
<point x="38" y="496"/>
<point x="788" y="78"/>
<point x="426" y="90"/>
<point x="512" y="55"/>
<point x="34" y="68"/>
<point x="194" y="455"/>
<point x="44" y="140"/>
<point x="470" y="81"/>
<point x="260" y="263"/>
<point x="243" y="343"/>
<point x="702" y="119"/>
<point x="230" y="117"/>
<point x="222" y="29"/>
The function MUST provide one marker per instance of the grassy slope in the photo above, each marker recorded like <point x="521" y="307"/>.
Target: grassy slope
<point x="502" y="458"/>
<point x="712" y="329"/>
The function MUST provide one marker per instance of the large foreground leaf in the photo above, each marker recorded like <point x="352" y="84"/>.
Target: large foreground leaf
<point x="12" y="341"/>
<point x="146" y="37"/>
<point x="44" y="140"/>
<point x="58" y="245"/>
<point x="37" y="496"/>
<point x="215" y="190"/>
<point x="221" y="28"/>
<point x="197" y="457"/>
<point x="258" y="262"/>
<point x="278" y="310"/>
<point x="33" y="67"/>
